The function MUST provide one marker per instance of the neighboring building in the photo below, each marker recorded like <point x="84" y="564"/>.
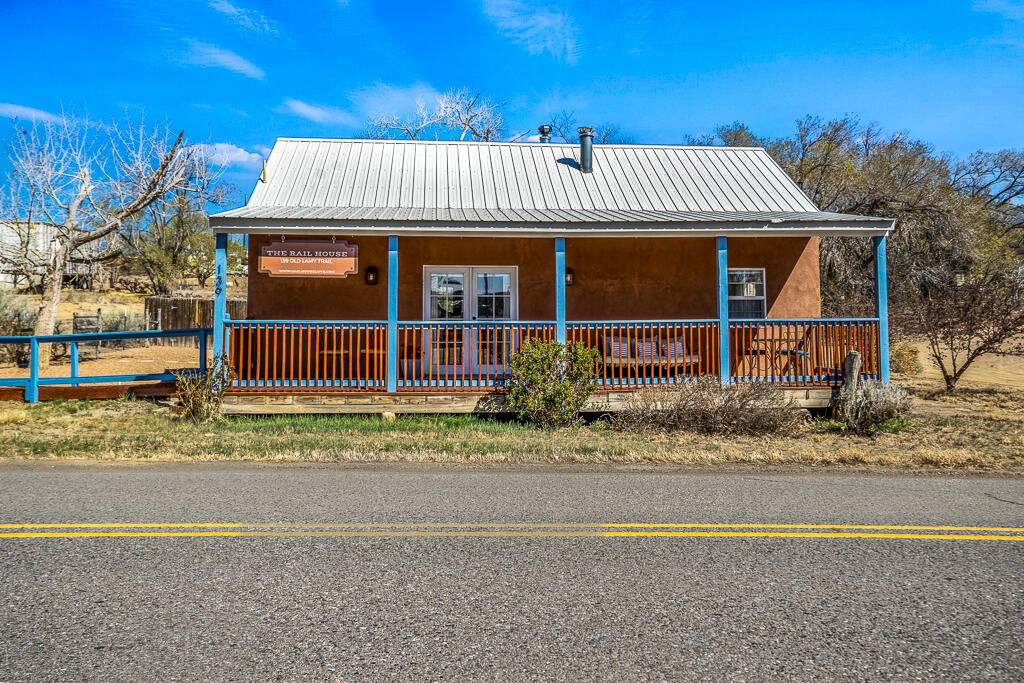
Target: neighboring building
<point x="25" y="251"/>
<point x="672" y="261"/>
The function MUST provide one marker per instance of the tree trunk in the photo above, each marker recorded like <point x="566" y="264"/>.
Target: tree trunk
<point x="46" y="317"/>
<point x="848" y="390"/>
<point x="851" y="371"/>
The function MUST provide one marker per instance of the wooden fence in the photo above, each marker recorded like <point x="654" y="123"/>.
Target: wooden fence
<point x="179" y="313"/>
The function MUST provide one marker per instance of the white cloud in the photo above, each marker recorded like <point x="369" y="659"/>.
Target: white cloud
<point x="393" y="99"/>
<point x="1012" y="11"/>
<point x="319" y="113"/>
<point x="205" y="54"/>
<point x="226" y="154"/>
<point x="248" y="19"/>
<point x="17" y="111"/>
<point x="538" y="28"/>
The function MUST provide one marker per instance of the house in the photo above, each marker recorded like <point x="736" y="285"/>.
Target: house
<point x="25" y="250"/>
<point x="405" y="273"/>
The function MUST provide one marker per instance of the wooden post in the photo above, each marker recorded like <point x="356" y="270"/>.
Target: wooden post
<point x="220" y="295"/>
<point x="882" y="307"/>
<point x="722" y="266"/>
<point x="560" y="289"/>
<point x="32" y="388"/>
<point x="74" y="363"/>
<point x="392" y="334"/>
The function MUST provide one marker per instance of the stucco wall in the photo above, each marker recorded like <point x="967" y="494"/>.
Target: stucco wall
<point x="615" y="278"/>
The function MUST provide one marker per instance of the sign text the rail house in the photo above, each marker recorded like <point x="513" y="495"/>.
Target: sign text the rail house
<point x="308" y="259"/>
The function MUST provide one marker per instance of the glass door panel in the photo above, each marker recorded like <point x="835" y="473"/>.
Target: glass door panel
<point x="486" y="295"/>
<point x="493" y="290"/>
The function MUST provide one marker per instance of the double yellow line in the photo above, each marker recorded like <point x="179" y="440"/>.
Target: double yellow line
<point x="494" y="530"/>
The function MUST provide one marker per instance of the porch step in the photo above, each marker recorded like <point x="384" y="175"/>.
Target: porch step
<point x="240" y="404"/>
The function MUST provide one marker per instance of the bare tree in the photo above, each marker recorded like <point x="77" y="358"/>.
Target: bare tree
<point x="86" y="180"/>
<point x="564" y="126"/>
<point x="166" y="237"/>
<point x="384" y="126"/>
<point x="457" y="114"/>
<point x="973" y="313"/>
<point x="472" y="114"/>
<point x="997" y="180"/>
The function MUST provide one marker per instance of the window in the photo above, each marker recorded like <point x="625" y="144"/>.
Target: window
<point x="469" y="292"/>
<point x="746" y="293"/>
<point x="447" y="296"/>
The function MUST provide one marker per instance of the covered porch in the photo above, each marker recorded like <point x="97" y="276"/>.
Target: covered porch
<point x="736" y="306"/>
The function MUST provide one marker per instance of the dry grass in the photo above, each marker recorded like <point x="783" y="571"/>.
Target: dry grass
<point x="987" y="438"/>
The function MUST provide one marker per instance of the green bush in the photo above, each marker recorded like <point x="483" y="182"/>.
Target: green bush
<point x="870" y="405"/>
<point x="903" y="359"/>
<point x="550" y="383"/>
<point x="201" y="394"/>
<point x="706" y="407"/>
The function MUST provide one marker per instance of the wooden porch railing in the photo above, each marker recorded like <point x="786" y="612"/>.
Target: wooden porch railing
<point x="461" y="356"/>
<point x="472" y="357"/>
<point x="801" y="352"/>
<point x="284" y="355"/>
<point x="649" y="352"/>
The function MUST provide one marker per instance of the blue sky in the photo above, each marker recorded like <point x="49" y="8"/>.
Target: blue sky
<point x="241" y="73"/>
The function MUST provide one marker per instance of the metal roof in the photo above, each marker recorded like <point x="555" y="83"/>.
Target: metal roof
<point x="473" y="186"/>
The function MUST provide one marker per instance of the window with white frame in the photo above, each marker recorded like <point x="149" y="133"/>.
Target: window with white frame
<point x="746" y="293"/>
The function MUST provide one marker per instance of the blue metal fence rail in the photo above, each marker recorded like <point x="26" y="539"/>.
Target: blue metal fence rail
<point x="34" y="381"/>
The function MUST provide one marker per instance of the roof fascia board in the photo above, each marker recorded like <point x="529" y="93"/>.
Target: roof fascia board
<point x="437" y="229"/>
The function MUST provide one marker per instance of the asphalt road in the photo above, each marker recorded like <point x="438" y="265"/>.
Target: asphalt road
<point x="414" y="573"/>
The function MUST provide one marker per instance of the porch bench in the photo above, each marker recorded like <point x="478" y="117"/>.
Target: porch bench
<point x="634" y="361"/>
<point x="654" y="353"/>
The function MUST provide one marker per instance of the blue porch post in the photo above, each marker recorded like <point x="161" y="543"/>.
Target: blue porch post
<point x="220" y="295"/>
<point x="392" y="385"/>
<point x="560" y="289"/>
<point x="882" y="307"/>
<point x="32" y="387"/>
<point x="722" y="267"/>
<point x="74" y="362"/>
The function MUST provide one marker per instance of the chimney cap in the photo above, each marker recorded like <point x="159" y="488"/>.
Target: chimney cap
<point x="544" y="130"/>
<point x="585" y="130"/>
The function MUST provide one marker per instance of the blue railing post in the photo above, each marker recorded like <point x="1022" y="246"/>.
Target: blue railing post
<point x="32" y="388"/>
<point x="202" y="349"/>
<point x="392" y="385"/>
<point x="722" y="266"/>
<point x="560" y="289"/>
<point x="882" y="307"/>
<point x="74" y="362"/>
<point x="220" y="294"/>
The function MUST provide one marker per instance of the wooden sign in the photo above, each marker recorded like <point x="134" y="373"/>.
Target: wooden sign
<point x="308" y="259"/>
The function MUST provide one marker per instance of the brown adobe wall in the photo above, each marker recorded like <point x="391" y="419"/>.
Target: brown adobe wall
<point x="616" y="278"/>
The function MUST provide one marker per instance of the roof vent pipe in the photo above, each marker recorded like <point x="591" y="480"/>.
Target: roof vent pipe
<point x="545" y="133"/>
<point x="586" y="149"/>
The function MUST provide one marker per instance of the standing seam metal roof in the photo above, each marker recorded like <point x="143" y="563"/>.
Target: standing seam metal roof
<point x="398" y="174"/>
<point x="389" y="180"/>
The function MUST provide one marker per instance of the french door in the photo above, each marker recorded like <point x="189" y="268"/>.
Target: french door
<point x="476" y="294"/>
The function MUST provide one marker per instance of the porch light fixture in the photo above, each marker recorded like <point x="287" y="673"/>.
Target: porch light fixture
<point x="570" y="277"/>
<point x="371" y="275"/>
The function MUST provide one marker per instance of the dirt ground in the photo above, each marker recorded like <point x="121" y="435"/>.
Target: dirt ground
<point x="1004" y="371"/>
<point x="141" y="360"/>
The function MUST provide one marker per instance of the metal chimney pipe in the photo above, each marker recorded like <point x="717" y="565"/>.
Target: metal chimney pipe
<point x="545" y="133"/>
<point x="586" y="149"/>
